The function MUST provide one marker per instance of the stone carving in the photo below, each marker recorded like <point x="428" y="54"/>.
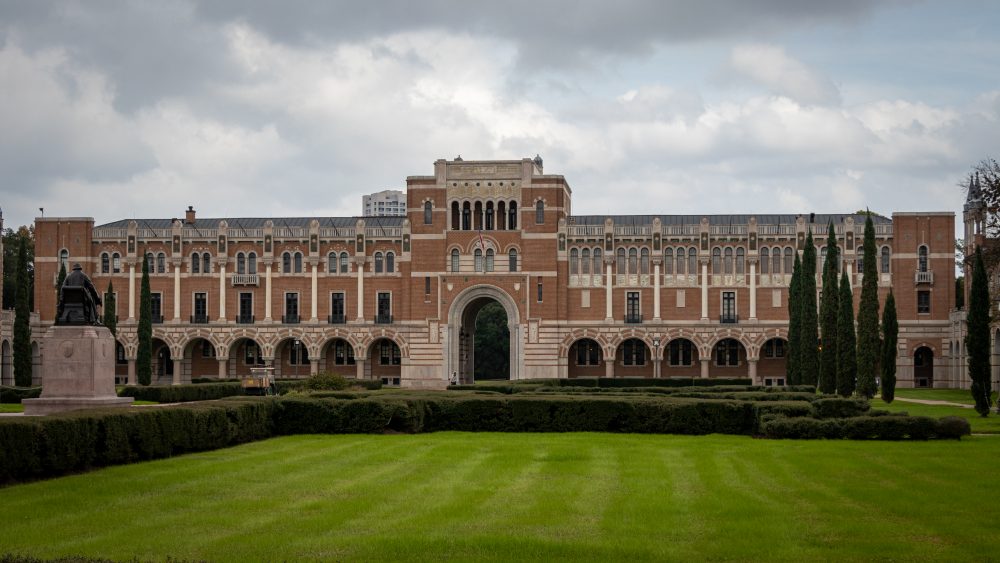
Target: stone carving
<point x="490" y="171"/>
<point x="78" y="300"/>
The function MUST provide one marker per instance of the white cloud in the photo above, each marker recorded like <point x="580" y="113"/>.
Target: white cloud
<point x="771" y="67"/>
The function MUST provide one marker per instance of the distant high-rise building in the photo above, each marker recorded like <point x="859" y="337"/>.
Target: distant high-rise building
<point x="387" y="203"/>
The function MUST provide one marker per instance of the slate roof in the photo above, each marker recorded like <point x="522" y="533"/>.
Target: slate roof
<point x="258" y="222"/>
<point x="820" y="219"/>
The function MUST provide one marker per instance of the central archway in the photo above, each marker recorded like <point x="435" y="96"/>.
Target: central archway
<point x="462" y="329"/>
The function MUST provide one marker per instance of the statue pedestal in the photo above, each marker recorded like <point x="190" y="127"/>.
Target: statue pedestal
<point x="78" y="371"/>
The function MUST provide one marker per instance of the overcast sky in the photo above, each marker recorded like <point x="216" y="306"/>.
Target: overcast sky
<point x="138" y="109"/>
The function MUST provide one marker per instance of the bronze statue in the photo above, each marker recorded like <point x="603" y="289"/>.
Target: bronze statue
<point x="78" y="300"/>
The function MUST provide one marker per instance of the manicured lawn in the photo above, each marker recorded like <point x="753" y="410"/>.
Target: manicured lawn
<point x="468" y="496"/>
<point x="980" y="425"/>
<point x="11" y="407"/>
<point x="963" y="396"/>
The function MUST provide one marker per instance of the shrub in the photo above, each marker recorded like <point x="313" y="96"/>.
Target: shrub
<point x="783" y="408"/>
<point x="326" y="382"/>
<point x="182" y="393"/>
<point x="213" y="380"/>
<point x="836" y="407"/>
<point x="953" y="427"/>
<point x="17" y="394"/>
<point x="892" y="427"/>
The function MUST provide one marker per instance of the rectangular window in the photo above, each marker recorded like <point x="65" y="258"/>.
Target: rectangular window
<point x="427" y="285"/>
<point x="680" y="352"/>
<point x="156" y="302"/>
<point x="207" y="350"/>
<point x="200" y="308"/>
<point x="246" y="308"/>
<point x="383" y="309"/>
<point x="291" y="308"/>
<point x="728" y="307"/>
<point x="337" y="308"/>
<point x="343" y="353"/>
<point x="539" y="289"/>
<point x="632" y="314"/>
<point x="251" y="354"/>
<point x="923" y="302"/>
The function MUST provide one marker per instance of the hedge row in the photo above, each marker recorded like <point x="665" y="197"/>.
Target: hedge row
<point x="648" y="382"/>
<point x="182" y="393"/>
<point x="56" y="445"/>
<point x="893" y="427"/>
<point x="16" y="394"/>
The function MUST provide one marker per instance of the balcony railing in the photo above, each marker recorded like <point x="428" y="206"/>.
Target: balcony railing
<point x="633" y="319"/>
<point x="337" y="319"/>
<point x="729" y="319"/>
<point x="923" y="277"/>
<point x="383" y="319"/>
<point x="244" y="279"/>
<point x="290" y="319"/>
<point x="244" y="319"/>
<point x="199" y="319"/>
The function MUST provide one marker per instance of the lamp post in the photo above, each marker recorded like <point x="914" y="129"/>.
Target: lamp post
<point x="298" y="346"/>
<point x="656" y="356"/>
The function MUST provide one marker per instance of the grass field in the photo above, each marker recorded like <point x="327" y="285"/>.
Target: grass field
<point x="980" y="425"/>
<point x="11" y="407"/>
<point x="962" y="396"/>
<point x="466" y="496"/>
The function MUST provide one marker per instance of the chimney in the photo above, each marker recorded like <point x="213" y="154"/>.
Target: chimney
<point x="189" y="215"/>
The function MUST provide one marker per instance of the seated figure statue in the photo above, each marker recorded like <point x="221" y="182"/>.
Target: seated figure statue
<point x="78" y="300"/>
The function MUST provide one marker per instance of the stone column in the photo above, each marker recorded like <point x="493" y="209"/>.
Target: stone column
<point x="609" y="312"/>
<point x="752" y="371"/>
<point x="131" y="292"/>
<point x="704" y="366"/>
<point x="223" y="368"/>
<point x="609" y="367"/>
<point x="359" y="368"/>
<point x="130" y="378"/>
<point x="222" y="291"/>
<point x="359" y="262"/>
<point x="178" y="366"/>
<point x="313" y="367"/>
<point x="753" y="290"/>
<point x="176" y="265"/>
<point x="656" y="366"/>
<point x="656" y="291"/>
<point x="704" y="291"/>
<point x="267" y="290"/>
<point x="315" y="292"/>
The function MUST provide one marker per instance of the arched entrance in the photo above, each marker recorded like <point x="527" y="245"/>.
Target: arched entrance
<point x="586" y="359"/>
<point x="163" y="366"/>
<point x="199" y="360"/>
<point x="923" y="367"/>
<point x="633" y="359"/>
<point x="244" y="354"/>
<point x="680" y="359"/>
<point x="291" y="359"/>
<point x="386" y="361"/>
<point x="462" y="332"/>
<point x="729" y="359"/>
<point x="772" y="366"/>
<point x="338" y="358"/>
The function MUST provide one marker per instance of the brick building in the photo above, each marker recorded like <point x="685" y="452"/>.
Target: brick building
<point x="396" y="297"/>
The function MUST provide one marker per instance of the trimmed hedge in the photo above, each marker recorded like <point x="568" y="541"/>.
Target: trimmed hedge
<point x="891" y="427"/>
<point x="648" y="382"/>
<point x="76" y="441"/>
<point x="836" y="407"/>
<point x="182" y="393"/>
<point x="17" y="394"/>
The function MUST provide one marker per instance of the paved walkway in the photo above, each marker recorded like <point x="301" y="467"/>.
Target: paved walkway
<point x="938" y="403"/>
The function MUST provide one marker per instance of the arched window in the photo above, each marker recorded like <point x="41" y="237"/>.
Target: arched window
<point x="765" y="260"/>
<point x="885" y="259"/>
<point x="727" y="264"/>
<point x="692" y="260"/>
<point x="620" y="262"/>
<point x="331" y="263"/>
<point x="788" y="259"/>
<point x="489" y="259"/>
<point x="378" y="262"/>
<point x="501" y="215"/>
<point x="466" y="216"/>
<point x="64" y="259"/>
<point x="644" y="261"/>
<point x="539" y="212"/>
<point x="598" y="261"/>
<point x="428" y="213"/>
<point x="252" y="263"/>
<point x="681" y="261"/>
<point x="161" y="263"/>
<point x="241" y="263"/>
<point x="922" y="258"/>
<point x="740" y="259"/>
<point x="116" y="263"/>
<point x="196" y="263"/>
<point x="105" y="263"/>
<point x="585" y="261"/>
<point x="861" y="258"/>
<point x="822" y="260"/>
<point x="286" y="263"/>
<point x="479" y="260"/>
<point x="151" y="262"/>
<point x="454" y="260"/>
<point x="633" y="261"/>
<point x="512" y="216"/>
<point x="574" y="262"/>
<point x="345" y="267"/>
<point x="716" y="260"/>
<point x="390" y="262"/>
<point x="668" y="261"/>
<point x="489" y="215"/>
<point x="456" y="216"/>
<point x="206" y="263"/>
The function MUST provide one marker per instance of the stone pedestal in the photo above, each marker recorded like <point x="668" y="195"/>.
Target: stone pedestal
<point x="78" y="371"/>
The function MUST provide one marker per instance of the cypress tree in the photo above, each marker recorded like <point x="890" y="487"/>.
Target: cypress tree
<point x="828" y="316"/>
<point x="22" y="327"/>
<point x="793" y="375"/>
<point x="890" y="336"/>
<point x="809" y="339"/>
<point x="977" y="337"/>
<point x="868" y="337"/>
<point x="110" y="310"/>
<point x="144" y="355"/>
<point x="60" y="280"/>
<point x="847" y="361"/>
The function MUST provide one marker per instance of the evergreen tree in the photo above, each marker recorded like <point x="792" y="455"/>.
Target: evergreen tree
<point x="977" y="337"/>
<point x="60" y="280"/>
<point x="144" y="355"/>
<point x="828" y="316"/>
<point x="847" y="361"/>
<point x="110" y="310"/>
<point x="793" y="375"/>
<point x="809" y="338"/>
<point x="22" y="327"/>
<point x="960" y="293"/>
<point x="492" y="349"/>
<point x="890" y="336"/>
<point x="868" y="337"/>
